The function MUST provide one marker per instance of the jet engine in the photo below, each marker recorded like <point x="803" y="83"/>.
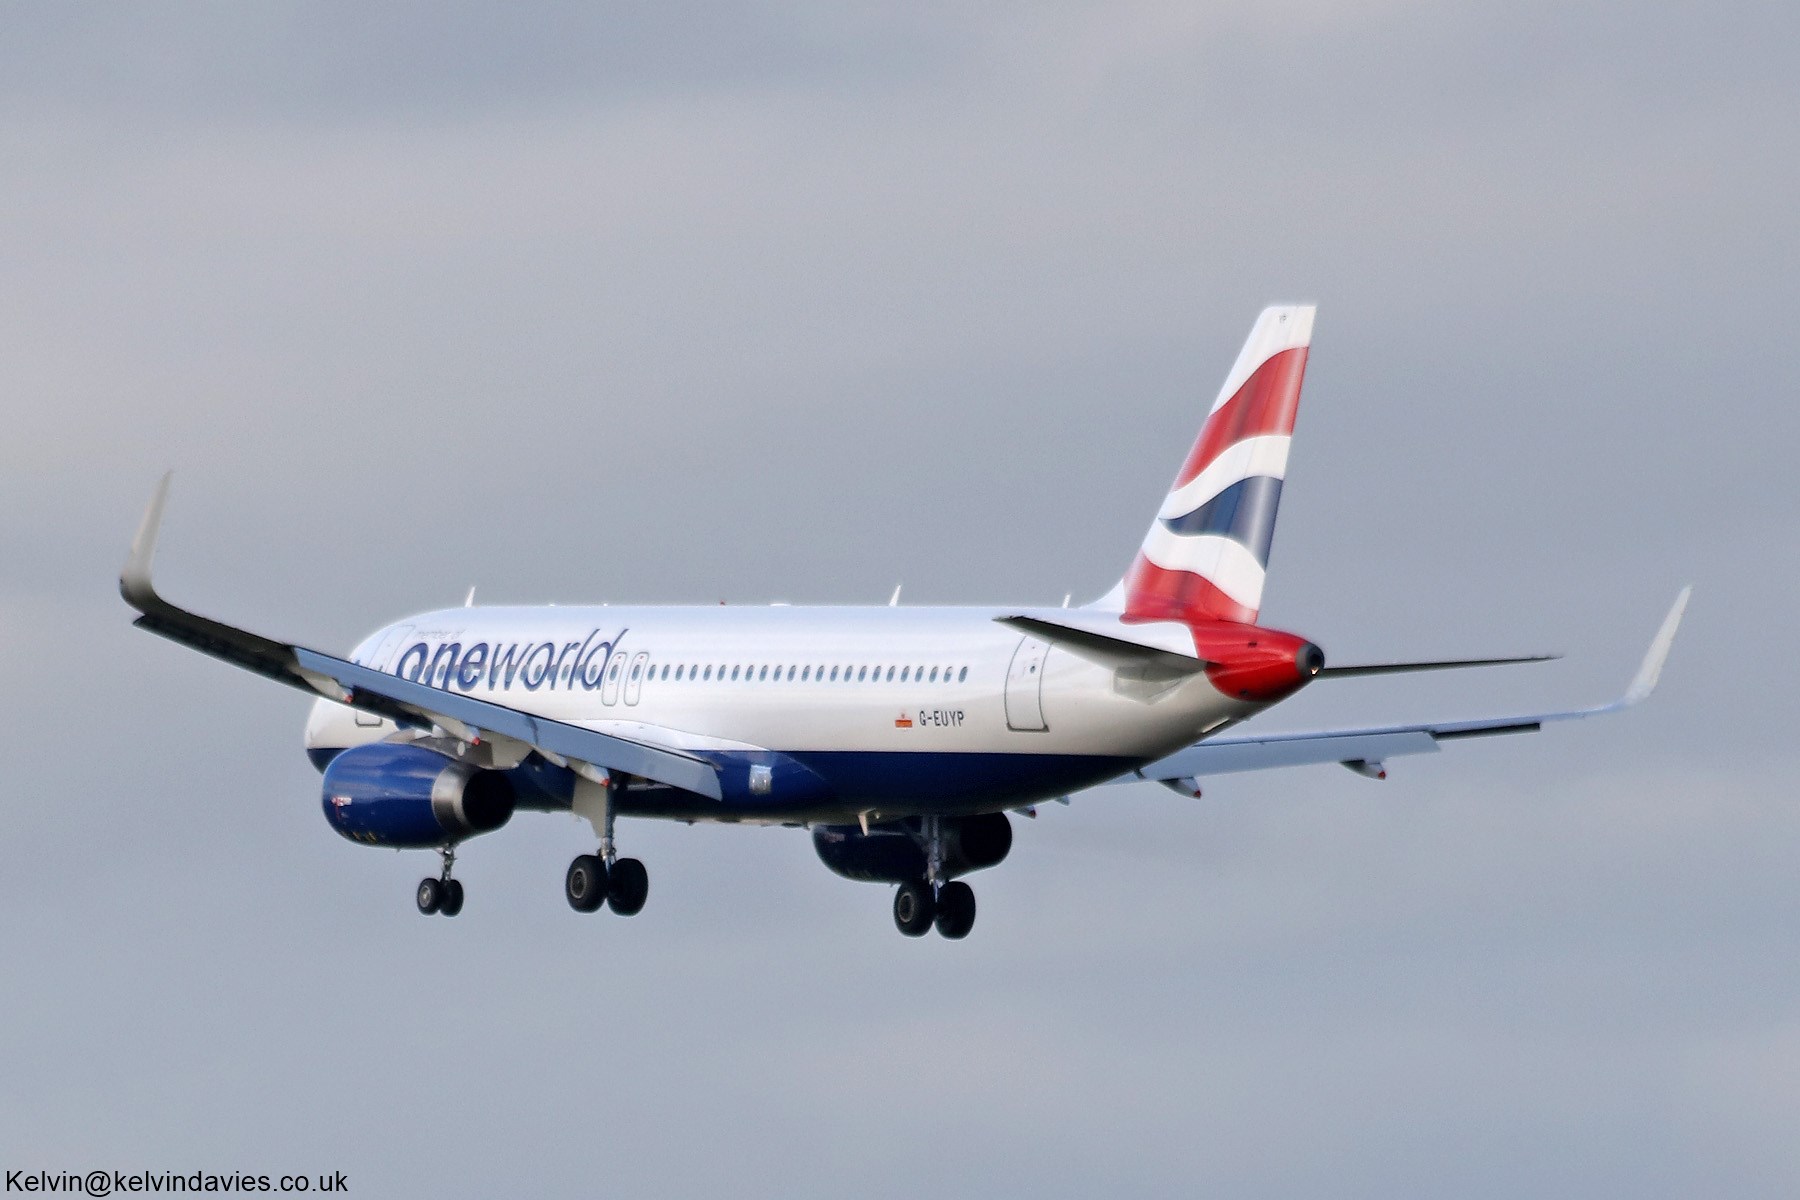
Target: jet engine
<point x="894" y="851"/>
<point x="401" y="795"/>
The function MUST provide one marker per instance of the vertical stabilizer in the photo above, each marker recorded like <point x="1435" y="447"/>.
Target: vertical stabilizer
<point x="1207" y="552"/>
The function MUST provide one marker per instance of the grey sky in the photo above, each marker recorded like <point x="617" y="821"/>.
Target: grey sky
<point x="680" y="303"/>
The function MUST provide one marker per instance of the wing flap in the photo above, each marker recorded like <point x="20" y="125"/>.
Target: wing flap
<point x="1225" y="756"/>
<point x="484" y="717"/>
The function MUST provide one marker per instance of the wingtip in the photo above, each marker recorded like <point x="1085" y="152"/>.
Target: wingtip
<point x="134" y="579"/>
<point x="1651" y="670"/>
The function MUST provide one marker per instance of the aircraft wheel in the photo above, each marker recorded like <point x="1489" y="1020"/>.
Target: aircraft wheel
<point x="585" y="884"/>
<point x="955" y="910"/>
<point x="451" y="904"/>
<point x="627" y="886"/>
<point x="431" y="896"/>
<point x="913" y="909"/>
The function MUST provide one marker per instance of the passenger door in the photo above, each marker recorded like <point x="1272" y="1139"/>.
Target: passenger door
<point x="1025" y="687"/>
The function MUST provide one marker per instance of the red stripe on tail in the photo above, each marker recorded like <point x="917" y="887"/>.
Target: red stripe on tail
<point x="1265" y="404"/>
<point x="1153" y="594"/>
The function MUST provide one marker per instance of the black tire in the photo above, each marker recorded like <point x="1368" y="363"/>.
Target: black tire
<point x="955" y="910"/>
<point x="585" y="884"/>
<point x="430" y="896"/>
<point x="913" y="909"/>
<point x="451" y="904"/>
<point x="627" y="887"/>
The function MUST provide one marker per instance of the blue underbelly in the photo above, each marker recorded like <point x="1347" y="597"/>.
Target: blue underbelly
<point x="891" y="782"/>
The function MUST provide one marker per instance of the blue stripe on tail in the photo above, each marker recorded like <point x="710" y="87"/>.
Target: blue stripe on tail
<point x="1243" y="512"/>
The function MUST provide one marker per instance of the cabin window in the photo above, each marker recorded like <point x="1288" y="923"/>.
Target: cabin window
<point x="934" y="674"/>
<point x="834" y="672"/>
<point x="790" y="674"/>
<point x="678" y="674"/>
<point x="862" y="674"/>
<point x="709" y="671"/>
<point x="765" y="672"/>
<point x="614" y="673"/>
<point x="636" y="670"/>
<point x="962" y="676"/>
<point x="734" y="673"/>
<point x="805" y="674"/>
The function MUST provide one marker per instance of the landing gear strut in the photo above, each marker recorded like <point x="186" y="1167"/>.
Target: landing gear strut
<point x="922" y="903"/>
<point x="443" y="894"/>
<point x="597" y="879"/>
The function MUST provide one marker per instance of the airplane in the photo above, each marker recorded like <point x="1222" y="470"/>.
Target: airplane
<point x="902" y="737"/>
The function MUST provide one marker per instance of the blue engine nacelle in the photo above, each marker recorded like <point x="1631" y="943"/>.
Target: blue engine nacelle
<point x="894" y="852"/>
<point x="397" y="795"/>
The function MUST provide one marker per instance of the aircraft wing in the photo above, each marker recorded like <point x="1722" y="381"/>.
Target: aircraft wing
<point x="1365" y="750"/>
<point x="410" y="704"/>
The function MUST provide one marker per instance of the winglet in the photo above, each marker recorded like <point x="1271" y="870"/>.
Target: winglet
<point x="134" y="580"/>
<point x="1645" y="681"/>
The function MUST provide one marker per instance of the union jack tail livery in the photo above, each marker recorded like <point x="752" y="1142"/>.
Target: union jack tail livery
<point x="1207" y="553"/>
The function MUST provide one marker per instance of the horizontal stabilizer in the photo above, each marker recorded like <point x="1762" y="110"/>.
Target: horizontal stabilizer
<point x="1448" y="664"/>
<point x="1102" y="639"/>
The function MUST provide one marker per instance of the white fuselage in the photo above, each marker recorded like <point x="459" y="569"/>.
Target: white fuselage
<point x="899" y="709"/>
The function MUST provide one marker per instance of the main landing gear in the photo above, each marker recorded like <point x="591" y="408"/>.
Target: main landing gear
<point x="594" y="880"/>
<point x="922" y="903"/>
<point x="951" y="908"/>
<point x="443" y="894"/>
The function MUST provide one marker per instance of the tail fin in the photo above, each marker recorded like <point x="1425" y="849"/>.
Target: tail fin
<point x="1207" y="553"/>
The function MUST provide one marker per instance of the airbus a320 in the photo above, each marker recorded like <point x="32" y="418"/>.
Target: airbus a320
<point x="902" y="737"/>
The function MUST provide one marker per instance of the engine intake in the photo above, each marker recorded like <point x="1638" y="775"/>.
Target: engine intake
<point x="894" y="851"/>
<point x="399" y="795"/>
